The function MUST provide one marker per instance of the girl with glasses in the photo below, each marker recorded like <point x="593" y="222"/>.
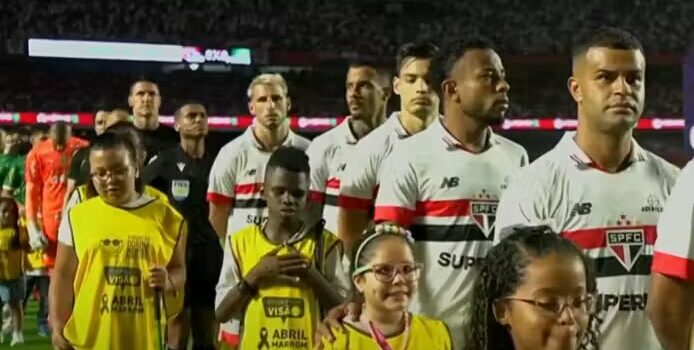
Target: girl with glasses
<point x="534" y="291"/>
<point x="120" y="266"/>
<point x="385" y="273"/>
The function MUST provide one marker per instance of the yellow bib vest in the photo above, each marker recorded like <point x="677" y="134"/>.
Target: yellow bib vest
<point x="115" y="248"/>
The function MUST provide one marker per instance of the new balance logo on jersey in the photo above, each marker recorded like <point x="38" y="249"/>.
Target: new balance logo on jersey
<point x="450" y="182"/>
<point x="652" y="205"/>
<point x="342" y="167"/>
<point x="626" y="245"/>
<point x="181" y="166"/>
<point x="484" y="215"/>
<point x="250" y="172"/>
<point x="581" y="209"/>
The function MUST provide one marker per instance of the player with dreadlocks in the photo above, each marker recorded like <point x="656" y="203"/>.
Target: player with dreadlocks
<point x="534" y="291"/>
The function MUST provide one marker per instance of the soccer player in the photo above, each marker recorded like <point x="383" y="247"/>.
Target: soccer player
<point x="145" y="100"/>
<point x="46" y="184"/>
<point x="367" y="93"/>
<point x="182" y="173"/>
<point x="112" y="273"/>
<point x="419" y="106"/>
<point x="273" y="272"/>
<point x="535" y="290"/>
<point x="445" y="182"/>
<point x="599" y="188"/>
<point x="672" y="287"/>
<point x="234" y="189"/>
<point x="385" y="273"/>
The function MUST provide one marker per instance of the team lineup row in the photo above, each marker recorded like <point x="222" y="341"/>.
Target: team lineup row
<point x="457" y="194"/>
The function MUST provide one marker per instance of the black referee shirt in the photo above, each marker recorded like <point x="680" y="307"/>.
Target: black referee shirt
<point x="158" y="140"/>
<point x="184" y="180"/>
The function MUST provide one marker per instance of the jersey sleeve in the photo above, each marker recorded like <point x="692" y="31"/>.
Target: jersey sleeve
<point x="230" y="275"/>
<point x="336" y="268"/>
<point x="34" y="185"/>
<point x="522" y="204"/>
<point x="360" y="179"/>
<point x="13" y="181"/>
<point x="75" y="171"/>
<point x="154" y="173"/>
<point x="221" y="188"/>
<point x="674" y="247"/>
<point x="397" y="194"/>
<point x="319" y="171"/>
<point x="65" y="231"/>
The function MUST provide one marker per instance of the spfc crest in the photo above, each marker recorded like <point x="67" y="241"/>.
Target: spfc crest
<point x="484" y="215"/>
<point x="626" y="245"/>
<point x="180" y="189"/>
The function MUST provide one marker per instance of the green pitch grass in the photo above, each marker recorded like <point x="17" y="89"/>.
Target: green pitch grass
<point x="32" y="341"/>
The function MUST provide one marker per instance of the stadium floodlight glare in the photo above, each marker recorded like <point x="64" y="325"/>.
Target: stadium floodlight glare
<point x="102" y="50"/>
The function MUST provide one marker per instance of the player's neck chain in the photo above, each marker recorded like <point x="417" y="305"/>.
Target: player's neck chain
<point x="380" y="338"/>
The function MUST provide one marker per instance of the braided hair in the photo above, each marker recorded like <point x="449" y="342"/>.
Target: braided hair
<point x="503" y="271"/>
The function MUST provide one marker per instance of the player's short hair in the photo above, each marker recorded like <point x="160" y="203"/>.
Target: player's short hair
<point x="607" y="37"/>
<point x="383" y="74"/>
<point x="443" y="63"/>
<point x="267" y="79"/>
<point x="142" y="80"/>
<point x="177" y="113"/>
<point x="289" y="158"/>
<point x="421" y="50"/>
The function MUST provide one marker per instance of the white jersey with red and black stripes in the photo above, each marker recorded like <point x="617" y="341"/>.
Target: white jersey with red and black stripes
<point x="674" y="248"/>
<point x="237" y="176"/>
<point x="447" y="197"/>
<point x="359" y="183"/>
<point x="328" y="154"/>
<point x="611" y="216"/>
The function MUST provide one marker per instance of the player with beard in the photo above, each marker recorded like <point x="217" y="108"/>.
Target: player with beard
<point x="419" y="106"/>
<point x="367" y="90"/>
<point x="599" y="188"/>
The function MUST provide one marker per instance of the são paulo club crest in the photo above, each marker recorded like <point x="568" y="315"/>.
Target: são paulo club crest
<point x="626" y="244"/>
<point x="483" y="212"/>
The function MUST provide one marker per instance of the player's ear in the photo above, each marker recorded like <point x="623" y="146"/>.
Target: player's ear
<point x="574" y="89"/>
<point x="449" y="88"/>
<point x="396" y="84"/>
<point x="131" y="101"/>
<point x="501" y="313"/>
<point x="289" y="104"/>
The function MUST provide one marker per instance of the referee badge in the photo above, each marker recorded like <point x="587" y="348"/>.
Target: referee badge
<point x="180" y="189"/>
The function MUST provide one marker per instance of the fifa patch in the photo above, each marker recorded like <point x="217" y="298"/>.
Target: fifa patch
<point x="626" y="245"/>
<point x="180" y="189"/>
<point x="484" y="215"/>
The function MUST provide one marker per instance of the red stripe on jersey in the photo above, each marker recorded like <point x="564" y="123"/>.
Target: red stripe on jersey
<point x="333" y="183"/>
<point x="674" y="266"/>
<point x="597" y="237"/>
<point x="316" y="196"/>
<point x="443" y="208"/>
<point x="398" y="215"/>
<point x="354" y="203"/>
<point x="216" y="198"/>
<point x="229" y="338"/>
<point x="248" y="188"/>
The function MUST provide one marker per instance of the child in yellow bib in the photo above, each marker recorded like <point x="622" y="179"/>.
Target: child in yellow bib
<point x="118" y="251"/>
<point x="13" y="244"/>
<point x="385" y="273"/>
<point x="273" y="275"/>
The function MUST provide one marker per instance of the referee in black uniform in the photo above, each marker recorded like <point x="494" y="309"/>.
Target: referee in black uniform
<point x="182" y="173"/>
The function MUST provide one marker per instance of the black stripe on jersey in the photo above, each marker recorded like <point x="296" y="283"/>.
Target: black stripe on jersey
<point x="253" y="203"/>
<point x="331" y="200"/>
<point x="611" y="267"/>
<point x="449" y="233"/>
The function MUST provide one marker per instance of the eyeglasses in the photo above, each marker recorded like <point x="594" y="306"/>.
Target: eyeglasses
<point x="556" y="305"/>
<point x="386" y="272"/>
<point x="116" y="174"/>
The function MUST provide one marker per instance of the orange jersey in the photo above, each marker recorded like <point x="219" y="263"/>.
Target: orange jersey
<point x="46" y="179"/>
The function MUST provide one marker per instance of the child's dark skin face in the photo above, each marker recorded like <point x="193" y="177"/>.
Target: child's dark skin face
<point x="286" y="193"/>
<point x="7" y="218"/>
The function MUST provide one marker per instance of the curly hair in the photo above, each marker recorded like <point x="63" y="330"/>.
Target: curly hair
<point x="503" y="271"/>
